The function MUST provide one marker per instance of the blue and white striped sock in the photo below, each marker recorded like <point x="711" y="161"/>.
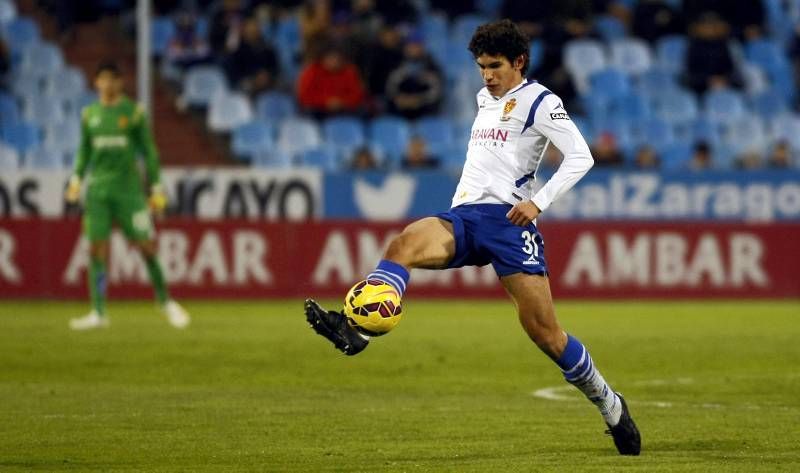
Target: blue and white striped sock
<point x="579" y="370"/>
<point x="392" y="274"/>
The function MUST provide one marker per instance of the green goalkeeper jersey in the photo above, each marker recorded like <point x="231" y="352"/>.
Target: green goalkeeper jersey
<point x="112" y="137"/>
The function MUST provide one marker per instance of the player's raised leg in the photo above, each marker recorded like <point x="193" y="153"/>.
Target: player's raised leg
<point x="531" y="294"/>
<point x="426" y="243"/>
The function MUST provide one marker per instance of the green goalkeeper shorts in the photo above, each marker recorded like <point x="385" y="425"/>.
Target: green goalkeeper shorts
<point x="128" y="210"/>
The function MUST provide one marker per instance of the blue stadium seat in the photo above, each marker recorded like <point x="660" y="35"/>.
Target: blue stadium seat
<point x="8" y="11"/>
<point x="229" y="110"/>
<point x="621" y="128"/>
<point x="676" y="156"/>
<point x="9" y="157"/>
<point x="671" y="53"/>
<point x="69" y="84"/>
<point x="9" y="109"/>
<point x="437" y="133"/>
<point x="44" y="110"/>
<point x="321" y="158"/>
<point x="754" y="78"/>
<point x="654" y="132"/>
<point x="43" y="158"/>
<point x="20" y="33"/>
<point x="464" y="26"/>
<point x="536" y="54"/>
<point x="275" y="106"/>
<point x="656" y="82"/>
<point x="161" y="33"/>
<point x="273" y="159"/>
<point x="433" y="27"/>
<point x="41" y="60"/>
<point x="202" y="83"/>
<point x="746" y="133"/>
<point x="609" y="28"/>
<point x="390" y="135"/>
<point x="632" y="106"/>
<point x="766" y="53"/>
<point x="251" y="139"/>
<point x="787" y="128"/>
<point x="25" y="87"/>
<point x="703" y="129"/>
<point x="631" y="55"/>
<point x="723" y="106"/>
<point x="769" y="105"/>
<point x="584" y="126"/>
<point x="582" y="57"/>
<point x="63" y="136"/>
<point x="609" y="83"/>
<point x="675" y="106"/>
<point x="296" y="135"/>
<point x="343" y="135"/>
<point x="23" y="136"/>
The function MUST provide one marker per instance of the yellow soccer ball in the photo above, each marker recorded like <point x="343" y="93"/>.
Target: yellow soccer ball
<point x="372" y="307"/>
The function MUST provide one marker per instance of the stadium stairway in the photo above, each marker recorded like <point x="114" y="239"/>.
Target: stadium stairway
<point x="181" y="140"/>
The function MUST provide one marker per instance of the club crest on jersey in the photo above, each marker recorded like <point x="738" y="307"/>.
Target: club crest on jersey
<point x="122" y="122"/>
<point x="507" y="109"/>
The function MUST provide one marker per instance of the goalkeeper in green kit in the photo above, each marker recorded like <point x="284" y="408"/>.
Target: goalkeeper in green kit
<point x="114" y="132"/>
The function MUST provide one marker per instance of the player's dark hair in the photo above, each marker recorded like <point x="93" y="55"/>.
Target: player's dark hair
<point x="108" y="66"/>
<point x="501" y="38"/>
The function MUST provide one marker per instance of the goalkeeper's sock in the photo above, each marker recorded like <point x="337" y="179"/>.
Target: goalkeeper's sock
<point x="579" y="371"/>
<point x="157" y="279"/>
<point x="97" y="286"/>
<point x="392" y="274"/>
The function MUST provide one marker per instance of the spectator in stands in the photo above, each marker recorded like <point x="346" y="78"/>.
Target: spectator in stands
<point x="653" y="19"/>
<point x="414" y="88"/>
<point x="701" y="157"/>
<point x="646" y="158"/>
<point x="253" y="65"/>
<point x="381" y="57"/>
<point x="315" y="21"/>
<point x="363" y="160"/>
<point x="187" y="48"/>
<point x="781" y="156"/>
<point x="417" y="156"/>
<point x="709" y="63"/>
<point x="226" y="26"/>
<point x="746" y="19"/>
<point x="330" y="85"/>
<point x="605" y="150"/>
<point x="748" y="159"/>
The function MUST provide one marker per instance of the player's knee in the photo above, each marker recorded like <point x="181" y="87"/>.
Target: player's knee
<point x="99" y="252"/>
<point x="401" y="249"/>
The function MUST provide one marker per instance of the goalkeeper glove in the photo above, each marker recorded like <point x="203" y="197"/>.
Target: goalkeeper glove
<point x="73" y="192"/>
<point x="158" y="199"/>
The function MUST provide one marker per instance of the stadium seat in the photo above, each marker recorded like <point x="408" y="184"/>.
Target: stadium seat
<point x="786" y="127"/>
<point x="433" y="27"/>
<point x="769" y="105"/>
<point x="23" y="136"/>
<point x="41" y="60"/>
<point x="201" y="84"/>
<point x="700" y="129"/>
<point x="633" y="106"/>
<point x="723" y="106"/>
<point x="675" y="156"/>
<point x="273" y="159"/>
<point x="25" y="87"/>
<point x="675" y="106"/>
<point x="63" y="136"/>
<point x="342" y="135"/>
<point x="583" y="57"/>
<point x="671" y="53"/>
<point x="621" y="128"/>
<point x="536" y="54"/>
<point x="44" y="110"/>
<point x="464" y="26"/>
<point x="654" y="132"/>
<point x="390" y="135"/>
<point x="162" y="31"/>
<point x="68" y="84"/>
<point x="631" y="55"/>
<point x="455" y="60"/>
<point x="43" y="158"/>
<point x="8" y="11"/>
<point x="9" y="157"/>
<point x="229" y="110"/>
<point x="9" y="109"/>
<point x="655" y="82"/>
<point x="437" y="133"/>
<point x="746" y="133"/>
<point x="766" y="53"/>
<point x="20" y="33"/>
<point x="321" y="158"/>
<point x="251" y="139"/>
<point x="609" y="83"/>
<point x="296" y="135"/>
<point x="275" y="106"/>
<point x="609" y="28"/>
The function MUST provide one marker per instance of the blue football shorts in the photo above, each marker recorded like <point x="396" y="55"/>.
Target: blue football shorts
<point x="484" y="235"/>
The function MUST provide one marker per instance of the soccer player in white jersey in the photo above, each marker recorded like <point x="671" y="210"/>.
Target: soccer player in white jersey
<point x="493" y="217"/>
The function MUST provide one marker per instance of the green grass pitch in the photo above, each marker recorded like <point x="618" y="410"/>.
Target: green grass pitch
<point x="714" y="386"/>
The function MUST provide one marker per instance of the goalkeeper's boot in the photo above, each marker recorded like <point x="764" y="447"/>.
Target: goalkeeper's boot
<point x="625" y="434"/>
<point x="175" y="314"/>
<point x="333" y="326"/>
<point x="90" y="321"/>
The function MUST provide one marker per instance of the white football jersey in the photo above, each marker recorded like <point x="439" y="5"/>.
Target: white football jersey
<point x="508" y="140"/>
